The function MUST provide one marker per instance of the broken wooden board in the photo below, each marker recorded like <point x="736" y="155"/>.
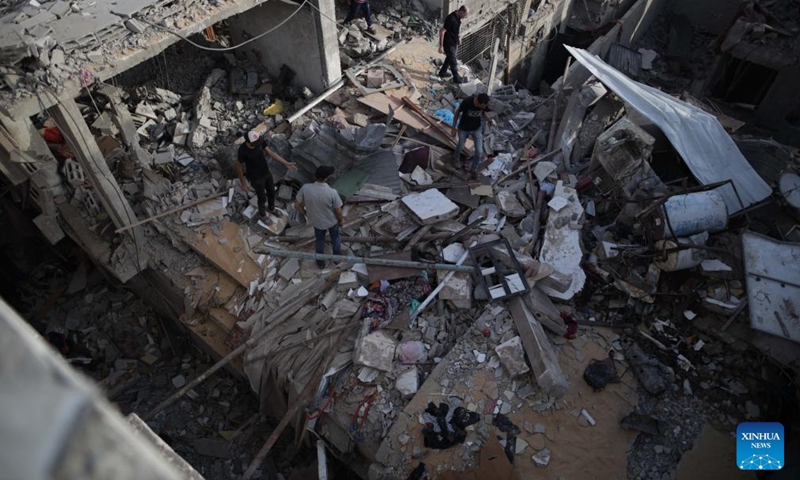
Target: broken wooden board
<point x="211" y="283"/>
<point x="232" y="258"/>
<point x="384" y="103"/>
<point x="463" y="196"/>
<point x="378" y="272"/>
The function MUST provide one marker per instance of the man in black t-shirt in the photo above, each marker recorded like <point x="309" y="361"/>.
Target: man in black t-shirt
<point x="449" y="41"/>
<point x="251" y="154"/>
<point x="471" y="111"/>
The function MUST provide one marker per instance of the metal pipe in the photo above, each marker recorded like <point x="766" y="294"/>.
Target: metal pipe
<point x="439" y="287"/>
<point x="369" y="261"/>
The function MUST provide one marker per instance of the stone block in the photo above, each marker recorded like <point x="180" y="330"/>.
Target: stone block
<point x="374" y="350"/>
<point x="348" y="280"/>
<point x="407" y="383"/>
<point x="508" y="204"/>
<point x="512" y="356"/>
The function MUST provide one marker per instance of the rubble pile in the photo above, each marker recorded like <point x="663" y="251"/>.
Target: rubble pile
<point x="571" y="282"/>
<point x="113" y="337"/>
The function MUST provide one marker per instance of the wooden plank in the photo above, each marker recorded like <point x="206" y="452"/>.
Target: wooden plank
<point x="377" y="272"/>
<point x="222" y="318"/>
<point x="383" y="103"/>
<point x="232" y="258"/>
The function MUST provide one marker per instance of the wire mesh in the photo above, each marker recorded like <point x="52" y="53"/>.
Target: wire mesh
<point x="474" y="45"/>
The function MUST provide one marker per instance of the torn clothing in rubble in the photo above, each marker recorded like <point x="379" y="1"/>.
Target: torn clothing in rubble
<point x="384" y="303"/>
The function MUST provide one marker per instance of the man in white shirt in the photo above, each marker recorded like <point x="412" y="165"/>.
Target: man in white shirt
<point x="322" y="207"/>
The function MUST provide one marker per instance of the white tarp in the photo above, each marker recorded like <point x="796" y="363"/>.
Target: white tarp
<point x="696" y="135"/>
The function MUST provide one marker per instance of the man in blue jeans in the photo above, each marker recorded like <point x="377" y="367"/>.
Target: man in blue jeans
<point x="322" y="207"/>
<point x="356" y="6"/>
<point x="471" y="111"/>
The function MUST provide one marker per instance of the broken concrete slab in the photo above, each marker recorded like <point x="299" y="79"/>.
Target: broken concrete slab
<point x="48" y="225"/>
<point x="512" y="356"/>
<point x="407" y="383"/>
<point x="374" y="350"/>
<point x="544" y="363"/>
<point x="289" y="268"/>
<point x="430" y="206"/>
<point x="509" y="205"/>
<point x="561" y="247"/>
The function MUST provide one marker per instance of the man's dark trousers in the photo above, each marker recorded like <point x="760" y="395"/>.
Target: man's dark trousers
<point x="450" y="61"/>
<point x="355" y="8"/>
<point x="265" y="191"/>
<point x="319" y="241"/>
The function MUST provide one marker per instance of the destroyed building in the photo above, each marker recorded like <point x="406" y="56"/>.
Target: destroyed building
<point x="610" y="295"/>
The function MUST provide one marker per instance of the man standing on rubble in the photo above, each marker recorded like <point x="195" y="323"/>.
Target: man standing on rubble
<point x="251" y="154"/>
<point x="471" y="111"/>
<point x="356" y="6"/>
<point x="449" y="41"/>
<point x="322" y="206"/>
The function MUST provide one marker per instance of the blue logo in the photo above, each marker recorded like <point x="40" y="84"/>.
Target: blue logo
<point x="759" y="446"/>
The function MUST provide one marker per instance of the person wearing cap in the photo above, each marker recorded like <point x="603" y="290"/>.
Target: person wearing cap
<point x="322" y="206"/>
<point x="252" y="155"/>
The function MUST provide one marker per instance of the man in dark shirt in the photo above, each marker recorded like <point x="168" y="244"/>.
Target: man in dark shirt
<point x="251" y="154"/>
<point x="449" y="41"/>
<point x="471" y="111"/>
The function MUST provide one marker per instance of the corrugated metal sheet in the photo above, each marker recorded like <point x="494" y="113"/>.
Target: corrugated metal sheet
<point x="625" y="60"/>
<point x="345" y="150"/>
<point x="696" y="135"/>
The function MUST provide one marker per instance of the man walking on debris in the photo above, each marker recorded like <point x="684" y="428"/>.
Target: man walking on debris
<point x="356" y="6"/>
<point x="251" y="154"/>
<point x="470" y="112"/>
<point x="322" y="206"/>
<point x="449" y="42"/>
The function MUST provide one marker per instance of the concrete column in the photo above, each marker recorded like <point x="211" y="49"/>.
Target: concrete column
<point x="307" y="43"/>
<point x="124" y="122"/>
<point x="69" y="119"/>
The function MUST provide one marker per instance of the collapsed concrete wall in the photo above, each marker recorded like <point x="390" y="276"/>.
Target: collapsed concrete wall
<point x="481" y="11"/>
<point x="530" y="54"/>
<point x="630" y="28"/>
<point x="713" y="16"/>
<point x="306" y="43"/>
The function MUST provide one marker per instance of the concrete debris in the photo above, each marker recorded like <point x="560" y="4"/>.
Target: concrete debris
<point x="407" y="383"/>
<point x="512" y="356"/>
<point x="542" y="459"/>
<point x="167" y="149"/>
